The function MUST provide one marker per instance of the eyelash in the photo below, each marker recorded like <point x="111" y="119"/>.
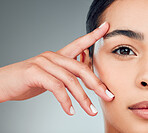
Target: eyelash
<point x="119" y="48"/>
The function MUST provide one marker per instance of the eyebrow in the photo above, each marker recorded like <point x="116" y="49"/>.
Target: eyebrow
<point x="129" y="33"/>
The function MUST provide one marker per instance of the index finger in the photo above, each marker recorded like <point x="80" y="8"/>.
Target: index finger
<point x="79" y="45"/>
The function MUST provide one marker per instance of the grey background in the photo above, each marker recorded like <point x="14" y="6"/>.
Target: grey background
<point x="28" y="28"/>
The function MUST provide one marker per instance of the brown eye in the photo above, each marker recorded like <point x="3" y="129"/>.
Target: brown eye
<point x="123" y="51"/>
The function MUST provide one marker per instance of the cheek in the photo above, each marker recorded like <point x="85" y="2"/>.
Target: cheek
<point x="110" y="74"/>
<point x="117" y="75"/>
<point x="113" y="75"/>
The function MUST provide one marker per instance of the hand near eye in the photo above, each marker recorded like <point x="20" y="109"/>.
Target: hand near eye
<point x="53" y="71"/>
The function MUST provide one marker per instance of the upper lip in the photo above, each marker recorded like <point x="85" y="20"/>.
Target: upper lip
<point x="140" y="105"/>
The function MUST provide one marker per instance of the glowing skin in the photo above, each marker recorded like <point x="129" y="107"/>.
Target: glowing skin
<point x="123" y="74"/>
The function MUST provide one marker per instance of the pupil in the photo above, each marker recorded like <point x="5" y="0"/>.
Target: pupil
<point x="125" y="51"/>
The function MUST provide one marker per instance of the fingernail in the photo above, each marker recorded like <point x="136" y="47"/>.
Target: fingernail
<point x="102" y="24"/>
<point x="109" y="93"/>
<point x="72" y="111"/>
<point x="93" y="109"/>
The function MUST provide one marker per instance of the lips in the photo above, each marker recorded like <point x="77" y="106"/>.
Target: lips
<point x="140" y="105"/>
<point x="140" y="109"/>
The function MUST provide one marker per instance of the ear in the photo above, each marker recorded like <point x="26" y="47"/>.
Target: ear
<point x="84" y="58"/>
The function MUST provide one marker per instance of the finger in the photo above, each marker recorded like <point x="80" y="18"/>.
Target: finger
<point x="76" y="47"/>
<point x="37" y="77"/>
<point x="69" y="80"/>
<point x="80" y="70"/>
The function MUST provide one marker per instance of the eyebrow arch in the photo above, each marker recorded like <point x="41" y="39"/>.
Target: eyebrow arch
<point x="129" y="33"/>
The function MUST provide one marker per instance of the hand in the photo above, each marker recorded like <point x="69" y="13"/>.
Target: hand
<point x="53" y="71"/>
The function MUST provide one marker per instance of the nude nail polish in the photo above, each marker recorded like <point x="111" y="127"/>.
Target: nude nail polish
<point x="72" y="111"/>
<point x="94" y="110"/>
<point x="102" y="24"/>
<point x="109" y="93"/>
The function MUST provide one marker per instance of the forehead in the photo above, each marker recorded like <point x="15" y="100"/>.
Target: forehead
<point x="131" y="14"/>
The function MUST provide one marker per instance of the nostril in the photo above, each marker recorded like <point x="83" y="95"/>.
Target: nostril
<point x="143" y="83"/>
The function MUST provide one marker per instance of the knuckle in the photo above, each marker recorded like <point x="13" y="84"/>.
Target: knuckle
<point x="100" y="83"/>
<point x="31" y="69"/>
<point x="58" y="84"/>
<point x="71" y="78"/>
<point x="66" y="99"/>
<point x="39" y="58"/>
<point x="79" y="48"/>
<point x="93" y="35"/>
<point x="84" y="98"/>
<point x="83" y="68"/>
<point x="47" y="53"/>
<point x="81" y="40"/>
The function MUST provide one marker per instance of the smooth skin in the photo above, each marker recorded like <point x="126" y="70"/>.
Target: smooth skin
<point x="123" y="72"/>
<point x="53" y="71"/>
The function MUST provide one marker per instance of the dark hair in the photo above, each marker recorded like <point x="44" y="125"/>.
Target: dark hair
<point x="95" y="17"/>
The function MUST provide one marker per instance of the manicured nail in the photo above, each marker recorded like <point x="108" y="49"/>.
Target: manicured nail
<point x="72" y="111"/>
<point x="109" y="93"/>
<point x="93" y="109"/>
<point x="102" y="24"/>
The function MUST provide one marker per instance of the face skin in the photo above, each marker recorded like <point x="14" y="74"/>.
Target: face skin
<point x="123" y="74"/>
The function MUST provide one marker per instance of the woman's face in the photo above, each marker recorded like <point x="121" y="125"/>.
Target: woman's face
<point x="124" y="70"/>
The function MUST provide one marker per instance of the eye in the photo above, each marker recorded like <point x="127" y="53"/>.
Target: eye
<point x="123" y="51"/>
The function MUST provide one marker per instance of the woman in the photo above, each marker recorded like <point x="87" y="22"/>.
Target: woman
<point x="119" y="59"/>
<point x="121" y="62"/>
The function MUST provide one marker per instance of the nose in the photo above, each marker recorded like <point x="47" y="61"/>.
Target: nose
<point x="142" y="77"/>
<point x="143" y="83"/>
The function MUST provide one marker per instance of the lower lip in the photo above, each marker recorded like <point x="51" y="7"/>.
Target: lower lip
<point x="141" y="112"/>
